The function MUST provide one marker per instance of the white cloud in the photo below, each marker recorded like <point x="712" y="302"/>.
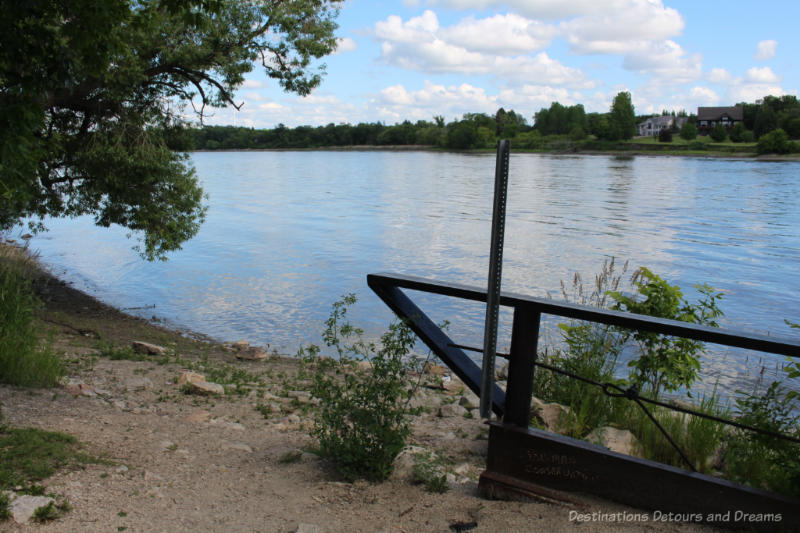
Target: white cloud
<point x="421" y="44"/>
<point x="500" y="34"/>
<point x="253" y="84"/>
<point x="667" y="61"/>
<point x="253" y="96"/>
<point x="766" y="50"/>
<point x="625" y="26"/>
<point x="761" y="75"/>
<point x="541" y="9"/>
<point x="703" y="96"/>
<point x="434" y="99"/>
<point x="345" y="44"/>
<point x="719" y="75"/>
<point x="531" y="98"/>
<point x="750" y="92"/>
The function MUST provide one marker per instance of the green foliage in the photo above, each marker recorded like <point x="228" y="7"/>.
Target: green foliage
<point x="719" y="133"/>
<point x="24" y="359"/>
<point x="688" y="131"/>
<point x="699" y="438"/>
<point x="5" y="511"/>
<point x="665" y="135"/>
<point x="560" y="120"/>
<point x="737" y="133"/>
<point x="761" y="460"/>
<point x="622" y="120"/>
<point x="591" y="351"/>
<point x="775" y="142"/>
<point x="429" y="471"/>
<point x="665" y="363"/>
<point x="92" y="100"/>
<point x="363" y="418"/>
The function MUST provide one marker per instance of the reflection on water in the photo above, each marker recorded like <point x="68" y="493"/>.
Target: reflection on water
<point x="289" y="232"/>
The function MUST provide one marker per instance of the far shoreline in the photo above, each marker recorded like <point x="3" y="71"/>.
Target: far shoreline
<point x="741" y="156"/>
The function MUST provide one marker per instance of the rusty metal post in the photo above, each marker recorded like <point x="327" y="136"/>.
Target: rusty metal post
<point x="495" y="274"/>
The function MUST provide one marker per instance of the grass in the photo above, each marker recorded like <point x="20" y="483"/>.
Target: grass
<point x="31" y="455"/>
<point x="25" y="359"/>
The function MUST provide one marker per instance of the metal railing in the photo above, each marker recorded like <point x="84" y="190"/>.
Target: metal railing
<point x="513" y="405"/>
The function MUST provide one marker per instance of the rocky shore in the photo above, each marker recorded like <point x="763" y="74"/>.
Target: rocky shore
<point x="202" y="436"/>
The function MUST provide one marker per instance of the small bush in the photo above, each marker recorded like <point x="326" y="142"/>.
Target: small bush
<point x="24" y="359"/>
<point x="719" y="133"/>
<point x="739" y="133"/>
<point x="688" y="131"/>
<point x="774" y="142"/>
<point x="665" y="136"/>
<point x="363" y="419"/>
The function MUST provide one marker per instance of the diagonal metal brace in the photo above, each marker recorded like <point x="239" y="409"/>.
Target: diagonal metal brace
<point x="434" y="338"/>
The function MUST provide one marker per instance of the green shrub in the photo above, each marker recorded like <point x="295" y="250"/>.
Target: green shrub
<point x="688" y="131"/>
<point x="665" y="136"/>
<point x="719" y="133"/>
<point x="363" y="418"/>
<point x="591" y="351"/>
<point x="24" y="359"/>
<point x="665" y="362"/>
<point x="774" y="142"/>
<point x="761" y="460"/>
<point x="739" y="133"/>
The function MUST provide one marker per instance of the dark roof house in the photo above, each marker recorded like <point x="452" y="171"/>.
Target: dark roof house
<point x="708" y="117"/>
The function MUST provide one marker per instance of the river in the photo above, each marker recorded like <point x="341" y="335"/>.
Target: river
<point x="288" y="233"/>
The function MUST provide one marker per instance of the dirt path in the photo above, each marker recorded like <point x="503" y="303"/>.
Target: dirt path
<point x="193" y="463"/>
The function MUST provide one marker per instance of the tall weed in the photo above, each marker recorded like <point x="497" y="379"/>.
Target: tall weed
<point x="24" y="359"/>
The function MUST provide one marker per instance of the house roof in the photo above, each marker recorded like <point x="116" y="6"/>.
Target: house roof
<point x="715" y="113"/>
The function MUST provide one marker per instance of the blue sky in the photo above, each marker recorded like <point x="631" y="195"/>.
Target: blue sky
<point x="415" y="59"/>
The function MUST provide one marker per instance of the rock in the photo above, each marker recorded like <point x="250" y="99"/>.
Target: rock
<point x="147" y="348"/>
<point x="190" y="377"/>
<point x="22" y="507"/>
<point x="121" y="469"/>
<point x="302" y="396"/>
<point x="206" y="387"/>
<point x="77" y="387"/>
<point x="26" y="237"/>
<point x="452" y="409"/>
<point x="240" y="345"/>
<point x="366" y="366"/>
<point x="453" y="387"/>
<point x="434" y="369"/>
<point x="199" y="416"/>
<point x="469" y="401"/>
<point x="238" y="446"/>
<point x="168" y="445"/>
<point x="552" y="415"/>
<point x="138" y="383"/>
<point x="403" y="466"/>
<point x="616" y="440"/>
<point x="501" y="374"/>
<point x="252" y="354"/>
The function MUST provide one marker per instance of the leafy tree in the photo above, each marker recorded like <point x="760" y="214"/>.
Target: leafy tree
<point x="719" y="133"/>
<point x="88" y="91"/>
<point x="688" y="131"/>
<point x="622" y="121"/>
<point x="665" y="135"/>
<point x="766" y="120"/>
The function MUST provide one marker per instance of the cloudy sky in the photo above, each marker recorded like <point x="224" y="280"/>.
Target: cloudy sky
<point x="414" y="59"/>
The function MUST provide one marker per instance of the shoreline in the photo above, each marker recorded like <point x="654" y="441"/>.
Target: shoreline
<point x="659" y="152"/>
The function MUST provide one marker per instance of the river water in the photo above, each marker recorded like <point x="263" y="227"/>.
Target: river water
<point x="288" y="233"/>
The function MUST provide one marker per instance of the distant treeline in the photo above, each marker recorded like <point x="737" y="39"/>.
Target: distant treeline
<point x="479" y="130"/>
